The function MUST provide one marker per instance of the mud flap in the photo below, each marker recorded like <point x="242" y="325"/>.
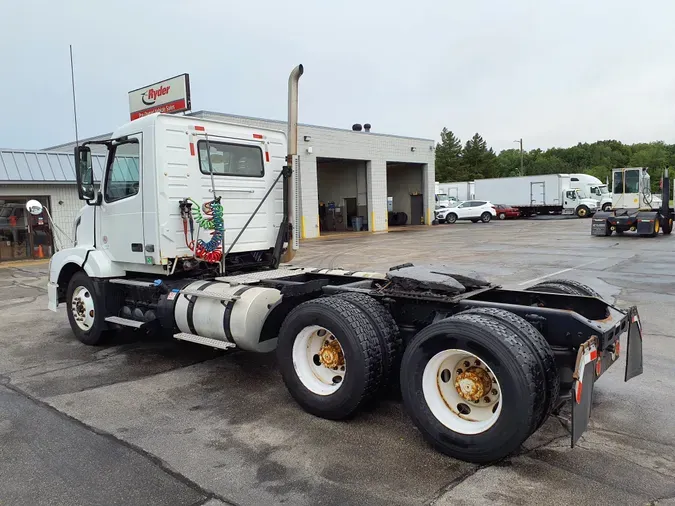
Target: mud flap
<point x="634" y="348"/>
<point x="582" y="393"/>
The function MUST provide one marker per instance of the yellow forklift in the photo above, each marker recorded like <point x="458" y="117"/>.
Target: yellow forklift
<point x="634" y="207"/>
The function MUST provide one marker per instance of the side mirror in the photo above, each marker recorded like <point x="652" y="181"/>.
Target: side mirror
<point x="84" y="171"/>
<point x="34" y="207"/>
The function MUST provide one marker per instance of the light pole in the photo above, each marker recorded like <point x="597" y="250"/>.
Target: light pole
<point x="522" y="170"/>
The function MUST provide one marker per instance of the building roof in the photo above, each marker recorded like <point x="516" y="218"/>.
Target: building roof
<point x="42" y="166"/>
<point x="235" y="118"/>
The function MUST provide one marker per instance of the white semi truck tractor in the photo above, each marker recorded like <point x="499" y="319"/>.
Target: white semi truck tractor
<point x="191" y="233"/>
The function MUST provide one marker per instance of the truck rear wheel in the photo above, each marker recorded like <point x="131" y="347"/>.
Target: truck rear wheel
<point x="470" y="386"/>
<point x="667" y="226"/>
<point x="86" y="310"/>
<point x="564" y="286"/>
<point x="330" y="357"/>
<point x="391" y="344"/>
<point x="538" y="346"/>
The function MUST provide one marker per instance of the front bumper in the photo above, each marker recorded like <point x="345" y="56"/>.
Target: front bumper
<point x="592" y="362"/>
<point x="52" y="296"/>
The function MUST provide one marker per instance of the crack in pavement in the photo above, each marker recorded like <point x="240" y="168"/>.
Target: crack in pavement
<point x="667" y="476"/>
<point x="633" y="436"/>
<point x="164" y="466"/>
<point x="121" y="382"/>
<point x="18" y="302"/>
<point x="454" y="483"/>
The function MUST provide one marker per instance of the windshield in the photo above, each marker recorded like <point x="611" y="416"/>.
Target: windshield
<point x="603" y="189"/>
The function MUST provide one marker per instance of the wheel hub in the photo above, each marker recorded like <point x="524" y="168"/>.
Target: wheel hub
<point x="331" y="355"/>
<point x="473" y="384"/>
<point x="82" y="308"/>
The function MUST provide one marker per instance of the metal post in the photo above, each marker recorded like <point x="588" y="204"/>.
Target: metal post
<point x="522" y="170"/>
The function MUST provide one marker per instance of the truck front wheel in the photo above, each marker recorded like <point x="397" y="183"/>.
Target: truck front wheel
<point x="86" y="312"/>
<point x="330" y="357"/>
<point x="471" y="387"/>
<point x="583" y="212"/>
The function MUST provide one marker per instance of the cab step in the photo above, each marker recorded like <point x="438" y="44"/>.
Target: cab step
<point x="132" y="282"/>
<point x="206" y="341"/>
<point x="125" y="322"/>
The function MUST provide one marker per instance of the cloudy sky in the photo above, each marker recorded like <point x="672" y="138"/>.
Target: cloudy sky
<point x="552" y="72"/>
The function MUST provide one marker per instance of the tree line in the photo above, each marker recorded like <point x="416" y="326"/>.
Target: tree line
<point x="476" y="160"/>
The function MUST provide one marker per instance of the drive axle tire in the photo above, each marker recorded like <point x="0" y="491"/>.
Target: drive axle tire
<point x="330" y="357"/>
<point x="564" y="286"/>
<point x="667" y="226"/>
<point x="391" y="344"/>
<point x="486" y="217"/>
<point x="538" y="345"/>
<point x="451" y="218"/>
<point x="471" y="366"/>
<point x="86" y="310"/>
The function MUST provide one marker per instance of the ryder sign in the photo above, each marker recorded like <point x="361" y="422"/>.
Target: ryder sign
<point x="168" y="96"/>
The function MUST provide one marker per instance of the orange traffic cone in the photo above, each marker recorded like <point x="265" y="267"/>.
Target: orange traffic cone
<point x="40" y="253"/>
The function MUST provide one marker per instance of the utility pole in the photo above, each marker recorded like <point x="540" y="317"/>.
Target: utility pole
<point x="522" y="170"/>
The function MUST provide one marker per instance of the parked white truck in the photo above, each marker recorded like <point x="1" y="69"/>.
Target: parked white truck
<point x="591" y="187"/>
<point x="544" y="194"/>
<point x="187" y="240"/>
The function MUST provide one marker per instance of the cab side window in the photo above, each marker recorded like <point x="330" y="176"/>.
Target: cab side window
<point x="123" y="175"/>
<point x="227" y="159"/>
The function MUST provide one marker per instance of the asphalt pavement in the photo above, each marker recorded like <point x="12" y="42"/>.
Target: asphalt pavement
<point x="154" y="421"/>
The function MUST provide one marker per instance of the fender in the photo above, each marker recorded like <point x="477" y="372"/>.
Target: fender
<point x="95" y="263"/>
<point x="98" y="264"/>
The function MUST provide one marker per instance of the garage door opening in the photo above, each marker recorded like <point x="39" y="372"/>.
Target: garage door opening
<point x="343" y="195"/>
<point x="405" y="198"/>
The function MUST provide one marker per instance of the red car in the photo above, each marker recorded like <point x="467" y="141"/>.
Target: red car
<point x="504" y="212"/>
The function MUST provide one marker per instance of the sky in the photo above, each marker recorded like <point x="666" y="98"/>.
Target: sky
<point x="553" y="72"/>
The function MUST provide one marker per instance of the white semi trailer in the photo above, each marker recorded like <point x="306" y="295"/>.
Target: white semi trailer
<point x="458" y="191"/>
<point x="544" y="194"/>
<point x="187" y="240"/>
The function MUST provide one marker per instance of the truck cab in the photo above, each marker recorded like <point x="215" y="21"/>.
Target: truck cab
<point x="592" y="187"/>
<point x="574" y="202"/>
<point x="632" y="189"/>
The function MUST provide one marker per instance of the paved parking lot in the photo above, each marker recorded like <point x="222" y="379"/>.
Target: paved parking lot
<point x="150" y="421"/>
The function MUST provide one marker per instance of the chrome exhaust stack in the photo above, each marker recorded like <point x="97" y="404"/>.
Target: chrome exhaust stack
<point x="289" y="196"/>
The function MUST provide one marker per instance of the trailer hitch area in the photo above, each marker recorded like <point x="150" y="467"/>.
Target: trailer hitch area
<point x="591" y="363"/>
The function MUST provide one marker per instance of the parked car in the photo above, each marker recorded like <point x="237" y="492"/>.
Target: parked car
<point x="504" y="211"/>
<point x="474" y="210"/>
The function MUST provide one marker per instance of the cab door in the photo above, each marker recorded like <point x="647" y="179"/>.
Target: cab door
<point x="121" y="222"/>
<point x="571" y="199"/>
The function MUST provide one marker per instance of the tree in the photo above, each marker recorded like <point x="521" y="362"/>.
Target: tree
<point x="479" y="160"/>
<point x="508" y="163"/>
<point x="448" y="157"/>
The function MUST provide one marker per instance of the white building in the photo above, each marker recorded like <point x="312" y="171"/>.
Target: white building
<point x="343" y="174"/>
